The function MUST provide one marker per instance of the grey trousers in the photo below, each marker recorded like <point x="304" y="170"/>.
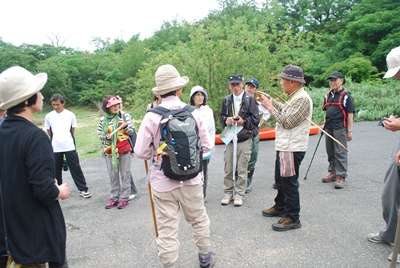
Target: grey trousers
<point x="120" y="188"/>
<point x="391" y="198"/>
<point x="337" y="155"/>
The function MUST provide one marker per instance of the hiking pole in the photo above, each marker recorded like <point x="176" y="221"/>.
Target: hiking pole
<point x="326" y="133"/>
<point x="312" y="158"/>
<point x="396" y="246"/>
<point x="151" y="199"/>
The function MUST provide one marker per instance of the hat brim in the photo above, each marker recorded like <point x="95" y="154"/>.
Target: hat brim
<point x="37" y="84"/>
<point x="180" y="83"/>
<point x="238" y="81"/>
<point x="296" y="79"/>
<point x="392" y="72"/>
<point x="252" y="84"/>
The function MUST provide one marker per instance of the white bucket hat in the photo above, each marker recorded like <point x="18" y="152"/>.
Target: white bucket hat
<point x="393" y="62"/>
<point x="198" y="89"/>
<point x="17" y="85"/>
<point x="168" y="79"/>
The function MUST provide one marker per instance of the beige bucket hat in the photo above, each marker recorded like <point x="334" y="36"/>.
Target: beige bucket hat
<point x="168" y="79"/>
<point x="17" y="85"/>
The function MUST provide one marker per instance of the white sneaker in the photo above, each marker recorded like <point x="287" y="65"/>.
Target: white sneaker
<point x="227" y="199"/>
<point x="238" y="201"/>
<point x="131" y="197"/>
<point x="391" y="255"/>
<point x="85" y="194"/>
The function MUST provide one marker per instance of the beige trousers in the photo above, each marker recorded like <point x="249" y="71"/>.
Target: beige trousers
<point x="167" y="207"/>
<point x="243" y="157"/>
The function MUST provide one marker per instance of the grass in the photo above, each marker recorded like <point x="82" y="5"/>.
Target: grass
<point x="372" y="102"/>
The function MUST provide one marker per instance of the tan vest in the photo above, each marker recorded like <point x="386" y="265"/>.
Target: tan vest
<point x="295" y="139"/>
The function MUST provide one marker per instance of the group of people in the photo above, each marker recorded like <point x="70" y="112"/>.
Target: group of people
<point x="31" y="184"/>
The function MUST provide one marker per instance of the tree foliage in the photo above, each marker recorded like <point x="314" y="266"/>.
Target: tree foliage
<point x="350" y="36"/>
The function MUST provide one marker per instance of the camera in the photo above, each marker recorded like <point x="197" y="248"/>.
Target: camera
<point x="381" y="121"/>
<point x="236" y="118"/>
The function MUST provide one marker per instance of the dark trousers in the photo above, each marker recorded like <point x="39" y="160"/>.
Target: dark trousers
<point x="74" y="167"/>
<point x="288" y="197"/>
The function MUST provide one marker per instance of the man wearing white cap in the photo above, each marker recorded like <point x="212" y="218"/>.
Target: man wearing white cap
<point x="391" y="193"/>
<point x="31" y="217"/>
<point x="170" y="196"/>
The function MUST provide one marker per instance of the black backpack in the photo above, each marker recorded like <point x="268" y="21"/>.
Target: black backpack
<point x="178" y="128"/>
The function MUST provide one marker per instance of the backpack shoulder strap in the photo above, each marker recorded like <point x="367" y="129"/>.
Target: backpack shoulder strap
<point x="188" y="108"/>
<point x="159" y="110"/>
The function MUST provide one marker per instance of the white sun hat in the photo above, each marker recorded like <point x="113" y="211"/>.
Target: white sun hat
<point x="17" y="85"/>
<point x="393" y="62"/>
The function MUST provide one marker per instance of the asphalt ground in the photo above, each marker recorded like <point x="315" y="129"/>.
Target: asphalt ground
<point x="334" y="222"/>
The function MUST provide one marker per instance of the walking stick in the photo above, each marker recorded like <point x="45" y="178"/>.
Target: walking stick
<point x="326" y="133"/>
<point x="151" y="199"/>
<point x="396" y="244"/>
<point x="312" y="158"/>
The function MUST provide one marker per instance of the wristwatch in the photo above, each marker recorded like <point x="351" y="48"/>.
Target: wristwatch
<point x="349" y="131"/>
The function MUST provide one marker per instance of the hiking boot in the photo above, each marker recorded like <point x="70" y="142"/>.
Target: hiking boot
<point x="227" y="199"/>
<point x="330" y="178"/>
<point x="237" y="202"/>
<point x="206" y="260"/>
<point x="272" y="212"/>
<point x="122" y="204"/>
<point x="340" y="182"/>
<point x="286" y="223"/>
<point x="111" y="203"/>
<point x="391" y="256"/>
<point x="375" y="238"/>
<point x="85" y="194"/>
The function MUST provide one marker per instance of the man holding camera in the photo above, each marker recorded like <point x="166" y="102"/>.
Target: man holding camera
<point x="391" y="193"/>
<point x="240" y="110"/>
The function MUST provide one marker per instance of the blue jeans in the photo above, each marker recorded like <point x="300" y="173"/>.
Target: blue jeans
<point x="288" y="197"/>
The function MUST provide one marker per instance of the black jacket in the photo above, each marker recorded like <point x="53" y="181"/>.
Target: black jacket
<point x="248" y="111"/>
<point x="34" y="221"/>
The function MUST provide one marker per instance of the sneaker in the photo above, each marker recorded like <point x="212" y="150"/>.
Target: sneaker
<point x="375" y="238"/>
<point x="111" y="203"/>
<point x="340" y="182"/>
<point x="275" y="186"/>
<point x="206" y="260"/>
<point x="391" y="256"/>
<point x="272" y="212"/>
<point x="237" y="201"/>
<point x="122" y="204"/>
<point x="227" y="199"/>
<point x="205" y="199"/>
<point x="286" y="223"/>
<point x="85" y="194"/>
<point x="330" y="178"/>
<point x="131" y="197"/>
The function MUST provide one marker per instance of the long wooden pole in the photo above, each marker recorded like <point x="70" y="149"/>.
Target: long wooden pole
<point x="396" y="247"/>
<point x="151" y="199"/>
<point x="326" y="133"/>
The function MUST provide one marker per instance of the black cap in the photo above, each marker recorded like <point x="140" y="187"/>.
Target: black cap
<point x="235" y="79"/>
<point x="335" y="75"/>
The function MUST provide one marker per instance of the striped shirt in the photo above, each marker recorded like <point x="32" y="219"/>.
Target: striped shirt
<point x="290" y="116"/>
